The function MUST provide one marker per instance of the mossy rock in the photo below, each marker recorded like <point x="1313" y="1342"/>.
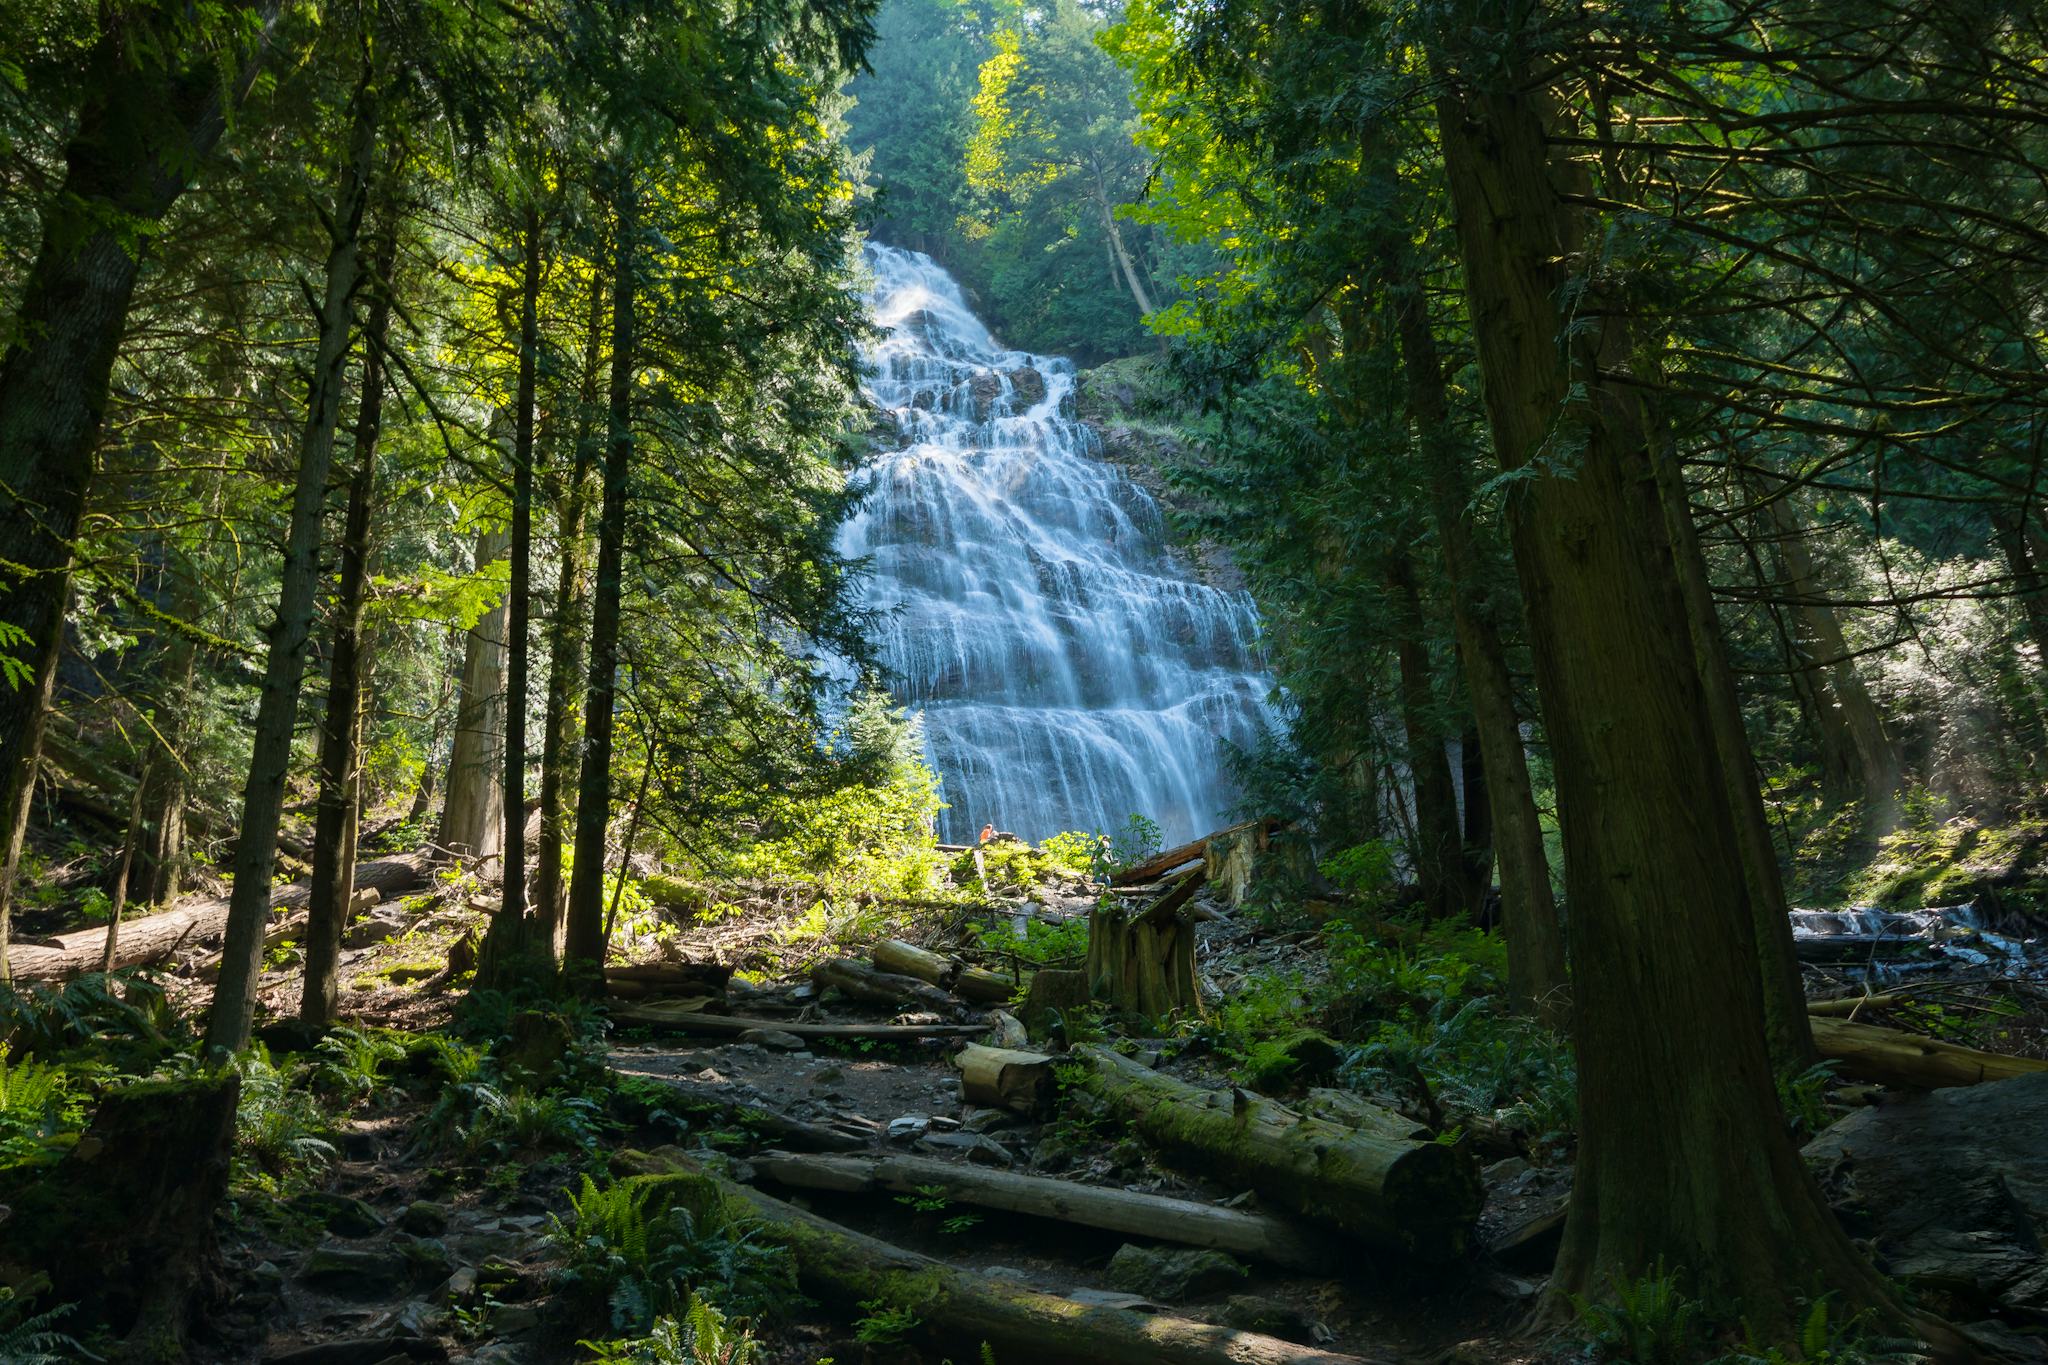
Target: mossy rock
<point x="679" y="898"/>
<point x="339" y="1214"/>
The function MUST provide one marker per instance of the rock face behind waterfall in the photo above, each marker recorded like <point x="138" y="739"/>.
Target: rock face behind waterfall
<point x="1070" y="671"/>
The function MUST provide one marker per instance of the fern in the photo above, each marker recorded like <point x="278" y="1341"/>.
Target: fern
<point x="34" y="1340"/>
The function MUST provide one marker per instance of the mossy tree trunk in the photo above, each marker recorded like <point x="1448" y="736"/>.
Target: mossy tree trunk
<point x="1684" y="1157"/>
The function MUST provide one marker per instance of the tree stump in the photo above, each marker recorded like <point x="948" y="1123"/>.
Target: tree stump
<point x="1142" y="961"/>
<point x="123" y="1224"/>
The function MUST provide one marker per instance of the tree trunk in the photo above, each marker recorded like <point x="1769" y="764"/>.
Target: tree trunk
<point x="159" y="861"/>
<point x="511" y="947"/>
<point x="2010" y="531"/>
<point x="153" y="112"/>
<point x="1132" y="280"/>
<point x="473" y="795"/>
<point x="1440" y="867"/>
<point x="1529" y="922"/>
<point x="1842" y="690"/>
<point x="565" y="652"/>
<point x="1416" y="1198"/>
<point x="583" y="950"/>
<point x="338" y="810"/>
<point x="1684" y="1157"/>
<point x="234" y="1000"/>
<point x="128" y="842"/>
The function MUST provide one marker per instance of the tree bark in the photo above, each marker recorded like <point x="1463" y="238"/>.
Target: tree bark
<point x="473" y="796"/>
<point x="153" y="112"/>
<point x="1529" y="921"/>
<point x="234" y="1000"/>
<point x="1684" y="1156"/>
<point x="583" y="949"/>
<point x="338" y="809"/>
<point x="159" y="861"/>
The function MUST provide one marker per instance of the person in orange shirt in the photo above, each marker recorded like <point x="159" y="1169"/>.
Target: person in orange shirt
<point x="988" y="832"/>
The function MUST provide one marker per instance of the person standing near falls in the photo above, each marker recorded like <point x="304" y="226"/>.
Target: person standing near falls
<point x="988" y="832"/>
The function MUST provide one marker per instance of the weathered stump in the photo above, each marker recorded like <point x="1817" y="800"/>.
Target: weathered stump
<point x="1142" y="962"/>
<point x="123" y="1224"/>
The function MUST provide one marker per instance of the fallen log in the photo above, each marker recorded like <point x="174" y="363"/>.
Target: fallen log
<point x="1355" y="1111"/>
<point x="780" y="1129"/>
<point x="839" y="1266"/>
<point x="863" y="981"/>
<point x="733" y="1025"/>
<point x="1420" y="1198"/>
<point x="1891" y="1057"/>
<point x="1259" y="1236"/>
<point x="1004" y="1078"/>
<point x="640" y="979"/>
<point x="151" y="938"/>
<point x="977" y="985"/>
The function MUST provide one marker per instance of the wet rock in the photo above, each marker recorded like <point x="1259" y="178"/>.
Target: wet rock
<point x="339" y="1214"/>
<point x="424" y="1218"/>
<point x="774" y="1039"/>
<point x="1952" y="1189"/>
<point x="1028" y="386"/>
<point x="908" y="1127"/>
<point x="1169" y="1274"/>
<point x="1271" y="1317"/>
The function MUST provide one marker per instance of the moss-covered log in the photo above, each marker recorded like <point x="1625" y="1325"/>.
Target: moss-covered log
<point x="1906" y="1059"/>
<point x="123" y="1224"/>
<point x="1260" y="1236"/>
<point x="1419" y="1198"/>
<point x="964" y="1308"/>
<point x="864" y="981"/>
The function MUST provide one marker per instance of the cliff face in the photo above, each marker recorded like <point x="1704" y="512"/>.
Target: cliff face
<point x="1148" y="430"/>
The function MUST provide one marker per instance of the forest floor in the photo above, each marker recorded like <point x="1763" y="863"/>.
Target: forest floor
<point x="410" y="1187"/>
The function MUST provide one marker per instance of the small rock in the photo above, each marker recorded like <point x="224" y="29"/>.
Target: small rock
<point x="1270" y="1317"/>
<point x="908" y="1127"/>
<point x="942" y="1124"/>
<point x="773" y="1039"/>
<point x="827" y="1075"/>
<point x="1169" y="1275"/>
<point x="460" y="1285"/>
<point x="425" y="1218"/>
<point x="267" y="1272"/>
<point x="984" y="1120"/>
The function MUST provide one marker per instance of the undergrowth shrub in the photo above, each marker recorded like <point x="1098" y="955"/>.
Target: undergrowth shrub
<point x="36" y="1103"/>
<point x="282" y="1135"/>
<point x="644" y="1258"/>
<point x="702" y="1336"/>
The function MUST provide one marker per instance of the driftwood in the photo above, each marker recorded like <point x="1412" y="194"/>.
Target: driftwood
<point x="1185" y="1221"/>
<point x="966" y="1308"/>
<point x="1142" y="961"/>
<point x="153" y="938"/>
<point x="1003" y="1078"/>
<point x="975" y="984"/>
<point x="733" y="1025"/>
<point x="864" y="981"/>
<point x="1890" y="1057"/>
<point x="1420" y="1198"/>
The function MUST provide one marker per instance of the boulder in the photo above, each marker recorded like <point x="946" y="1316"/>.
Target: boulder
<point x="1951" y="1187"/>
<point x="424" y="1218"/>
<point x="1170" y="1274"/>
<point x="1027" y="387"/>
<point x="339" y="1214"/>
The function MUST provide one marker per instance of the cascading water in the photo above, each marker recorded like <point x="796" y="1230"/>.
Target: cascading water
<point x="1069" y="670"/>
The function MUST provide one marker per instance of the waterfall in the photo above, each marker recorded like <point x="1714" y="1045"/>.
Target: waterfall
<point x="1070" y="670"/>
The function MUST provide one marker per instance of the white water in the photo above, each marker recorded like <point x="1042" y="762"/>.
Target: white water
<point x="1070" y="672"/>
